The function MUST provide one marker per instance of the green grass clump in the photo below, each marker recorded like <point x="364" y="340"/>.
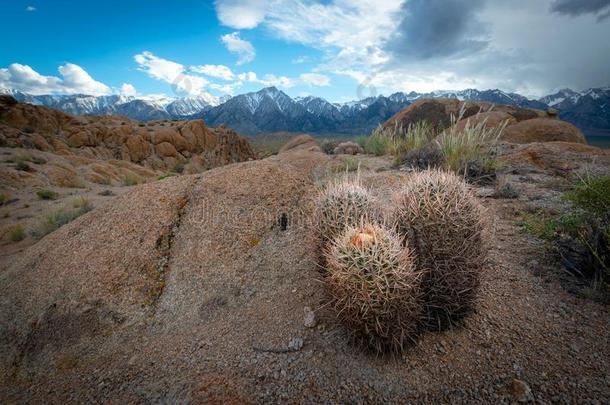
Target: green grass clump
<point x="16" y="233"/>
<point x="58" y="219"/>
<point x="351" y="164"/>
<point x="22" y="166"/>
<point x="45" y="194"/>
<point x="539" y="224"/>
<point x="4" y="197"/>
<point x="591" y="194"/>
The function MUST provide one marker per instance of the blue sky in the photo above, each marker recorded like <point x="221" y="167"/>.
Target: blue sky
<point x="337" y="49"/>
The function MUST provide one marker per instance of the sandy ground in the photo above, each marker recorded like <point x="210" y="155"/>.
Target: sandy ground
<point x="229" y="326"/>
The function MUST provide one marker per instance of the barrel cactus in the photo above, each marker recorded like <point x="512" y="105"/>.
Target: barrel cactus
<point x="374" y="287"/>
<point x="442" y="220"/>
<point x="343" y="204"/>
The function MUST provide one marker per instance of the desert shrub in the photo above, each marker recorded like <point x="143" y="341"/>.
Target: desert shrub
<point x="106" y="193"/>
<point x="580" y="236"/>
<point x="591" y="194"/>
<point x="361" y="140"/>
<point x="141" y="124"/>
<point x="56" y="220"/>
<point x="130" y="180"/>
<point x="45" y="194"/>
<point x="503" y="188"/>
<point x="28" y="130"/>
<point x="427" y="157"/>
<point x="23" y="166"/>
<point x="584" y="234"/>
<point x="342" y="204"/>
<point x="374" y="287"/>
<point x="443" y="222"/>
<point x="470" y="146"/>
<point x="4" y="197"/>
<point x="328" y="145"/>
<point x="81" y="202"/>
<point x="16" y="233"/>
<point x="178" y="168"/>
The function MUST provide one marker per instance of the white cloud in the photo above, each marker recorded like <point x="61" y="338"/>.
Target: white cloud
<point x="241" y="47"/>
<point x="278" y="81"/>
<point x="128" y="90"/>
<point x="74" y="80"/>
<point x="247" y="77"/>
<point x="410" y="45"/>
<point x="240" y="14"/>
<point x="301" y="59"/>
<point x="315" y="79"/>
<point x="268" y="80"/>
<point x="30" y="8"/>
<point x="172" y="73"/>
<point x="218" y="71"/>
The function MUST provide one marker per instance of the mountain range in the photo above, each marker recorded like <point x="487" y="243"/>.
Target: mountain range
<point x="272" y="110"/>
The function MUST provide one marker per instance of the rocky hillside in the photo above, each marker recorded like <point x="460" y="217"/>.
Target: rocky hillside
<point x="158" y="145"/>
<point x="271" y="110"/>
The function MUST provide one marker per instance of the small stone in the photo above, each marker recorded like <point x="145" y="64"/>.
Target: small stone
<point x="309" y="318"/>
<point x="517" y="369"/>
<point x="295" y="344"/>
<point x="521" y="391"/>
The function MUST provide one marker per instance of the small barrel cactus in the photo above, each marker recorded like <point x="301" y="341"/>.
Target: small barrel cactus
<point x="374" y="287"/>
<point x="438" y="216"/>
<point x="342" y="204"/>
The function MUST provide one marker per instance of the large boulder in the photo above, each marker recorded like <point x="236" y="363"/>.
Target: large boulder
<point x="542" y="130"/>
<point x="438" y="112"/>
<point x="556" y="158"/>
<point x="301" y="142"/>
<point x="492" y="119"/>
<point x="209" y="259"/>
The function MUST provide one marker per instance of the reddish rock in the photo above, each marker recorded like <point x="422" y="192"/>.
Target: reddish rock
<point x="542" y="130"/>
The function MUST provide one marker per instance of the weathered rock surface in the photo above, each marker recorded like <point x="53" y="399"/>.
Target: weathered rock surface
<point x="158" y="145"/>
<point x="193" y="289"/>
<point x="438" y="112"/>
<point x="523" y="125"/>
<point x="542" y="130"/>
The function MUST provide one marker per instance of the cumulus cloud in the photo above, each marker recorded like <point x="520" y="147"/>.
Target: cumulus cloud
<point x="574" y="8"/>
<point x="128" y="90"/>
<point x="239" y="46"/>
<point x="217" y="71"/>
<point x="240" y="14"/>
<point x="315" y="79"/>
<point x="173" y="73"/>
<point x="30" y="8"/>
<point x="74" y="79"/>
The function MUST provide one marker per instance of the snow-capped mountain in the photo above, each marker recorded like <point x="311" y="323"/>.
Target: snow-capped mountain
<point x="271" y="110"/>
<point x="139" y="108"/>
